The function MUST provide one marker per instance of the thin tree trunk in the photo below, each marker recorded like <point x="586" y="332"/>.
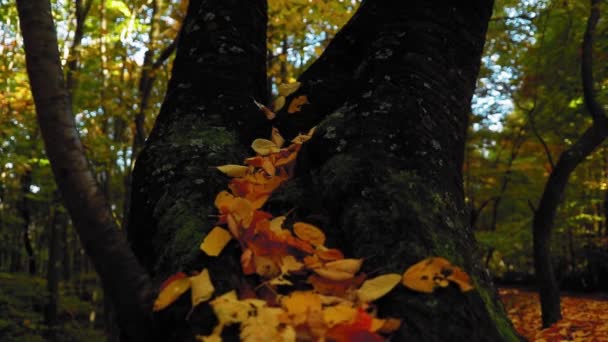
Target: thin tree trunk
<point x="558" y="179"/>
<point x="123" y="278"/>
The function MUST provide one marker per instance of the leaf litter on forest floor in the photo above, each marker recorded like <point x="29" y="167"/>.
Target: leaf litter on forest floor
<point x="322" y="295"/>
<point x="585" y="318"/>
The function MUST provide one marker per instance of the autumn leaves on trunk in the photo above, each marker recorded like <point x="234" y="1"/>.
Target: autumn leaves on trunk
<point x="390" y="97"/>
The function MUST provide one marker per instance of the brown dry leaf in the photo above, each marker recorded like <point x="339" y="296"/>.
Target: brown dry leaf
<point x="202" y="288"/>
<point x="233" y="170"/>
<point x="309" y="233"/>
<point x="215" y="241"/>
<point x="296" y="104"/>
<point x="171" y="293"/>
<point x="351" y="266"/>
<point x="425" y="275"/>
<point x="287" y="89"/>
<point x="375" y="288"/>
<point x="264" y="147"/>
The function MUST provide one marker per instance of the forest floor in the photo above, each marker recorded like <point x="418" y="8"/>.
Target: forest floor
<point x="585" y="317"/>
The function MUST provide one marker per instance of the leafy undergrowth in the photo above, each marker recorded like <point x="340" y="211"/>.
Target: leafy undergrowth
<point x="585" y="318"/>
<point x="22" y="303"/>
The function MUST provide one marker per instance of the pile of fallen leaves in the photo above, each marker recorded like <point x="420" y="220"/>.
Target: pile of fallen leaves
<point x="307" y="291"/>
<point x="585" y="318"/>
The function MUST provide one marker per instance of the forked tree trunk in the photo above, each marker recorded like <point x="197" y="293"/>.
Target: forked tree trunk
<point x="382" y="176"/>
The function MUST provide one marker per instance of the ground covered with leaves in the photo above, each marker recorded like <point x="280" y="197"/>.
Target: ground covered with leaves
<point x="585" y="317"/>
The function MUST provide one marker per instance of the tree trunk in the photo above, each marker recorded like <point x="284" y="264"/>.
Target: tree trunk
<point x="122" y="277"/>
<point x="544" y="216"/>
<point x="382" y="175"/>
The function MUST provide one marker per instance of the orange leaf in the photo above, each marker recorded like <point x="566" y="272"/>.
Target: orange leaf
<point x="296" y="104"/>
<point x="329" y="254"/>
<point x="171" y="292"/>
<point x="309" y="233"/>
<point x="425" y="275"/>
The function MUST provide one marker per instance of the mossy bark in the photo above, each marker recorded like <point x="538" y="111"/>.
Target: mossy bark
<point x="382" y="175"/>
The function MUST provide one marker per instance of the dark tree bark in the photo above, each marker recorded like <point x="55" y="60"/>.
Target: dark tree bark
<point x="382" y="176"/>
<point x="122" y="277"/>
<point x="558" y="179"/>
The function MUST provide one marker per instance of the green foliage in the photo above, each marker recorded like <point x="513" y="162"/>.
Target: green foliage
<point x="22" y="305"/>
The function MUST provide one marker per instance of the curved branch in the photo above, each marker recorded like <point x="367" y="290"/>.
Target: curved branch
<point x="123" y="278"/>
<point x="595" y="109"/>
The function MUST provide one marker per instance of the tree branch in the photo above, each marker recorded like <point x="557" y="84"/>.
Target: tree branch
<point x="595" y="109"/>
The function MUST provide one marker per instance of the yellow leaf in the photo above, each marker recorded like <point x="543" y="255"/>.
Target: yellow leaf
<point x="341" y="313"/>
<point x="335" y="275"/>
<point x="276" y="137"/>
<point x="266" y="325"/>
<point x="290" y="264"/>
<point x="234" y="170"/>
<point x="351" y="266"/>
<point x="264" y="147"/>
<point x="287" y="89"/>
<point x="215" y="241"/>
<point x="278" y="103"/>
<point x="309" y="233"/>
<point x="296" y="104"/>
<point x="276" y="224"/>
<point x="266" y="267"/>
<point x="375" y="288"/>
<point x="229" y="309"/>
<point x="223" y="201"/>
<point x="242" y="210"/>
<point x="202" y="288"/>
<point x="421" y="276"/>
<point x="300" y="304"/>
<point x="171" y="293"/>
<point x="425" y="275"/>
